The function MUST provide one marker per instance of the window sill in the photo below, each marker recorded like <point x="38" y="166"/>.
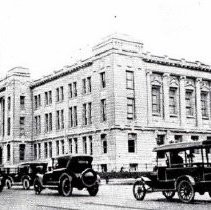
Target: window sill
<point x="205" y="118"/>
<point x="190" y="117"/>
<point x="156" y="114"/>
<point x="173" y="115"/>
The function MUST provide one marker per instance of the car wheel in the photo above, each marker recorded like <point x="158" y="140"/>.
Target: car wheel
<point x="8" y="183"/>
<point x="168" y="194"/>
<point x="139" y="190"/>
<point x="37" y="186"/>
<point x="26" y="184"/>
<point x="65" y="187"/>
<point x="186" y="191"/>
<point x="93" y="190"/>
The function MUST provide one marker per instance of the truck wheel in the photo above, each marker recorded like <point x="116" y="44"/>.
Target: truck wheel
<point x="93" y="190"/>
<point x="65" y="187"/>
<point x="186" y="191"/>
<point x="37" y="186"/>
<point x="168" y="194"/>
<point x="26" y="184"/>
<point x="8" y="183"/>
<point x="139" y="190"/>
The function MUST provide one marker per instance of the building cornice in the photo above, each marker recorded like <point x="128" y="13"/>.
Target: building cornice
<point x="181" y="63"/>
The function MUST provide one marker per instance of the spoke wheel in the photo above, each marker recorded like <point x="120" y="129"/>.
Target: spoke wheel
<point x="93" y="190"/>
<point x="26" y="184"/>
<point x="168" y="194"/>
<point x="8" y="183"/>
<point x="139" y="190"/>
<point x="186" y="191"/>
<point x="37" y="186"/>
<point x="65" y="187"/>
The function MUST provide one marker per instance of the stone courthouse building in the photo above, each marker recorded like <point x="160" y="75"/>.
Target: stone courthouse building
<point x="115" y="105"/>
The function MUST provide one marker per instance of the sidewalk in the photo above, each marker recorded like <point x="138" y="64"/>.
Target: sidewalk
<point x="128" y="181"/>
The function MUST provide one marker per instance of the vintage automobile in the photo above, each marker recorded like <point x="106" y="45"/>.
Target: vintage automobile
<point x="23" y="174"/>
<point x="2" y="179"/>
<point x="69" y="172"/>
<point x="184" y="168"/>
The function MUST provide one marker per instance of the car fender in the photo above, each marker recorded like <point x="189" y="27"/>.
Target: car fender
<point x="98" y="180"/>
<point x="185" y="177"/>
<point x="143" y="179"/>
<point x="65" y="175"/>
<point x="10" y="178"/>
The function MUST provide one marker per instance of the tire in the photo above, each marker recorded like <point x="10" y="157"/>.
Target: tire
<point x="8" y="183"/>
<point x="37" y="186"/>
<point x="65" y="187"/>
<point x="139" y="190"/>
<point x="26" y="184"/>
<point x="168" y="194"/>
<point x="185" y="191"/>
<point x="93" y="190"/>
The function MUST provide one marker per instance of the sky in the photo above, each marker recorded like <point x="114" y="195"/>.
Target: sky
<point x="45" y="35"/>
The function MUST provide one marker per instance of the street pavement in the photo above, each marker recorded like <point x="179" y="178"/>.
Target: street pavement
<point x="110" y="196"/>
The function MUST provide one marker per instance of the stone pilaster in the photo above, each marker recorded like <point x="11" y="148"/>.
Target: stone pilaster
<point x="198" y="102"/>
<point x="166" y="96"/>
<point x="182" y="101"/>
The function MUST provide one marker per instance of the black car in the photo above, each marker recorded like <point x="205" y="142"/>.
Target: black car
<point x="184" y="168"/>
<point x="2" y="179"/>
<point x="23" y="174"/>
<point x="69" y="172"/>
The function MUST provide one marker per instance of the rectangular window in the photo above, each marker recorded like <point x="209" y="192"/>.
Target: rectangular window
<point x="62" y="93"/>
<point x="70" y="90"/>
<point x="62" y="146"/>
<point x="90" y="113"/>
<point x="75" y="116"/>
<point x="50" y="121"/>
<point x="103" y="110"/>
<point x="50" y="149"/>
<point x="204" y="104"/>
<point x="8" y="126"/>
<point x="22" y="151"/>
<point x="129" y="80"/>
<point x="76" y="145"/>
<point x="84" y="114"/>
<point x="46" y="98"/>
<point x="70" y="117"/>
<point x="130" y="109"/>
<point x="35" y="151"/>
<point x="103" y="80"/>
<point x="178" y="138"/>
<point x="160" y="139"/>
<point x="39" y="150"/>
<point x="90" y="145"/>
<point x="46" y="123"/>
<point x="57" y="120"/>
<point x="172" y="101"/>
<point x="70" y="146"/>
<point x="132" y="142"/>
<point x="84" y="145"/>
<point x="133" y="167"/>
<point x="46" y="149"/>
<point x="50" y="97"/>
<point x="57" y="94"/>
<point x="194" y="138"/>
<point x="57" y="147"/>
<point x="75" y="89"/>
<point x="9" y="103"/>
<point x="35" y="102"/>
<point x="89" y="85"/>
<point x="156" y="100"/>
<point x="189" y="102"/>
<point x="39" y="100"/>
<point x="62" y="119"/>
<point x="104" y="143"/>
<point x="22" y="102"/>
<point x="84" y="86"/>
<point x="22" y="126"/>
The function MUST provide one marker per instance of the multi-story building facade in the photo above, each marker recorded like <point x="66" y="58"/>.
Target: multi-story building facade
<point x="116" y="105"/>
